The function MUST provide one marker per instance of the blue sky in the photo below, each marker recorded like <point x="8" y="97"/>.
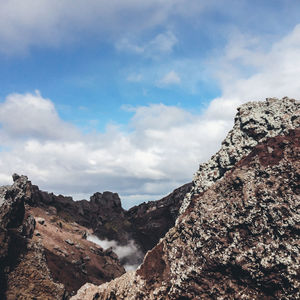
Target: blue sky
<point x="111" y="96"/>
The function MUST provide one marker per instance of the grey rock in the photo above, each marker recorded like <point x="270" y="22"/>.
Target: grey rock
<point x="254" y="123"/>
<point x="28" y="226"/>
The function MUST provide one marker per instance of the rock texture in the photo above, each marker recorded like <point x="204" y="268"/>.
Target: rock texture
<point x="152" y="220"/>
<point x="254" y="123"/>
<point x="144" y="224"/>
<point x="43" y="256"/>
<point x="16" y="228"/>
<point x="43" y="238"/>
<point x="238" y="234"/>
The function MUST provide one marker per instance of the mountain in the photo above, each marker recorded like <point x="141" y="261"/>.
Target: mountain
<point x="45" y="238"/>
<point x="231" y="233"/>
<point x="44" y="256"/>
<point x="237" y="235"/>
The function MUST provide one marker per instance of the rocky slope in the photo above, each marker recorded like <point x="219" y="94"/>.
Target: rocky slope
<point x="254" y="123"/>
<point x="238" y="233"/>
<point x="152" y="220"/>
<point x="144" y="224"/>
<point x="43" y="238"/>
<point x="43" y="256"/>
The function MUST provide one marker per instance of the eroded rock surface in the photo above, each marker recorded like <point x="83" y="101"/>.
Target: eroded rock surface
<point x="17" y="227"/>
<point x="143" y="224"/>
<point x="43" y="237"/>
<point x="36" y="262"/>
<point x="237" y="239"/>
<point x="152" y="220"/>
<point x="254" y="123"/>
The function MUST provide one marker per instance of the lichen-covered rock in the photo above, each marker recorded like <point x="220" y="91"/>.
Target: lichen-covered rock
<point x="12" y="200"/>
<point x="254" y="123"/>
<point x="11" y="217"/>
<point x="237" y="240"/>
<point x="24" y="273"/>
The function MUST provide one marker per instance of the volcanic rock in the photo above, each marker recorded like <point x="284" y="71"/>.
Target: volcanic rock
<point x="21" y="259"/>
<point x="36" y="253"/>
<point x="152" y="220"/>
<point x="254" y="123"/>
<point x="144" y="224"/>
<point x="238" y="234"/>
<point x="40" y="220"/>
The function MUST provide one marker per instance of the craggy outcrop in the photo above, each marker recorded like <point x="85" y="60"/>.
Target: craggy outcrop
<point x="144" y="224"/>
<point x="103" y="213"/>
<point x="43" y="237"/>
<point x="43" y="256"/>
<point x="253" y="124"/>
<point x="16" y="228"/>
<point x="152" y="220"/>
<point x="237" y="240"/>
<point x="238" y="234"/>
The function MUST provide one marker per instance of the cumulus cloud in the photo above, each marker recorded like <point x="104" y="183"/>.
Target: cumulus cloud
<point x="162" y="145"/>
<point x="144" y="159"/>
<point x="31" y="115"/>
<point x="249" y="71"/>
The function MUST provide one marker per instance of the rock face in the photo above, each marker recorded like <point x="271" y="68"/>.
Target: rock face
<point x="17" y="228"/>
<point x="36" y="262"/>
<point x="238" y="234"/>
<point x="144" y="224"/>
<point x="43" y="237"/>
<point x="152" y="220"/>
<point x="254" y="123"/>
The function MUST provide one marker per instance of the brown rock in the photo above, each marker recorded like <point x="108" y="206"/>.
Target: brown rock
<point x="239" y="239"/>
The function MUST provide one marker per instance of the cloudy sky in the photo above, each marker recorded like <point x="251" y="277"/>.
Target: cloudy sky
<point x="130" y="96"/>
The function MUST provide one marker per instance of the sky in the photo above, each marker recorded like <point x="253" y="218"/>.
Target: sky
<point x="131" y="96"/>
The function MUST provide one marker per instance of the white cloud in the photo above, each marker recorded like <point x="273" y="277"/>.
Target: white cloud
<point x="33" y="116"/>
<point x="188" y="74"/>
<point x="249" y="71"/>
<point x="170" y="78"/>
<point x="145" y="160"/>
<point x="162" y="43"/>
<point x="162" y="147"/>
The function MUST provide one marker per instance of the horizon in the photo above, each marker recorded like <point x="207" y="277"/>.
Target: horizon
<point x="131" y="97"/>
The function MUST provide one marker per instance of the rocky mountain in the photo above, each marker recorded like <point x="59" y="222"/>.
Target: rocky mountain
<point x="145" y="224"/>
<point x="253" y="124"/>
<point x="42" y="255"/>
<point x="44" y="238"/>
<point x="152" y="220"/>
<point x="233" y="233"/>
<point x="237" y="236"/>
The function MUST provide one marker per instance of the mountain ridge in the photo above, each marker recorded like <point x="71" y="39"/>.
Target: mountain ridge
<point x="226" y="242"/>
<point x="232" y="232"/>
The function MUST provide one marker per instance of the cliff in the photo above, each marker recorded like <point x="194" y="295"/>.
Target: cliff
<point x="44" y="256"/>
<point x="238" y="233"/>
